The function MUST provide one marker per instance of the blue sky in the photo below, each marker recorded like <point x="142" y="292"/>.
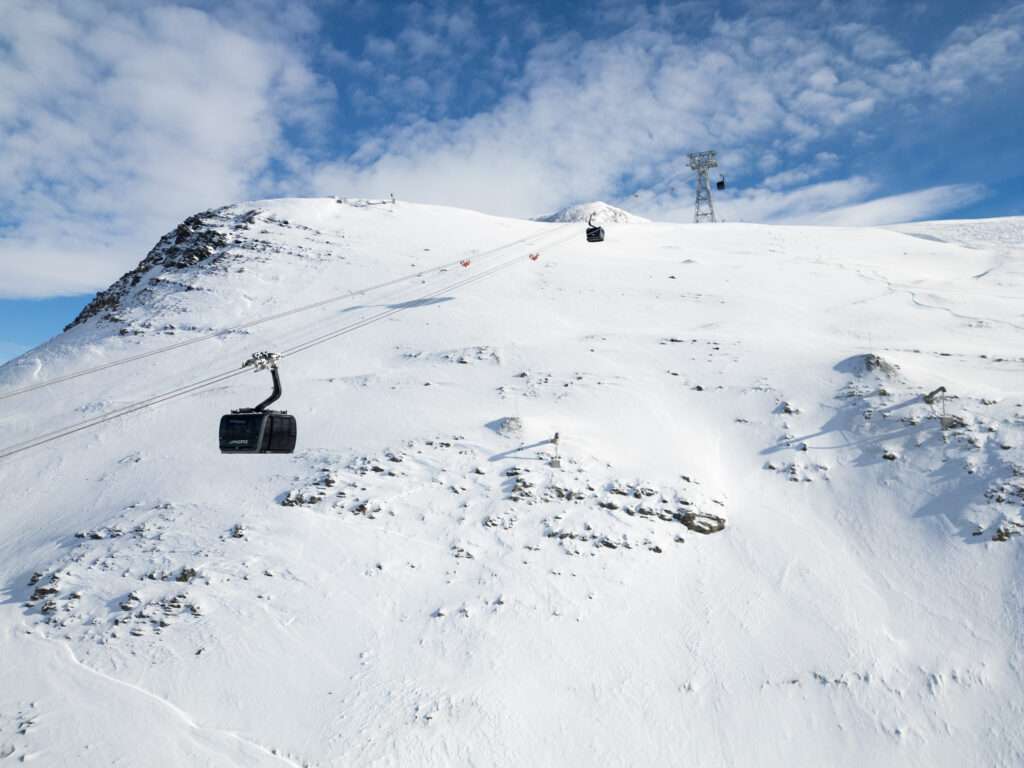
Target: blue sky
<point x="118" y="118"/>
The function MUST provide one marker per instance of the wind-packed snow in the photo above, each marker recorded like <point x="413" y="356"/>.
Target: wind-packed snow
<point x="762" y="546"/>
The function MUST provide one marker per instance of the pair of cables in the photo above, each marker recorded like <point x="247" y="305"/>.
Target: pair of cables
<point x="223" y="376"/>
<point x="252" y="323"/>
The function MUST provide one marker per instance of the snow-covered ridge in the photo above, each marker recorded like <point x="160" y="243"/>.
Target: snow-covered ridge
<point x="199" y="240"/>
<point x="601" y="212"/>
<point x="977" y="233"/>
<point x="765" y="518"/>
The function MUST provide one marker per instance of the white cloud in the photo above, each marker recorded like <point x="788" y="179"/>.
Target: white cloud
<point x="119" y="123"/>
<point x="380" y="47"/>
<point x="589" y="113"/>
<point x="801" y="174"/>
<point x="897" y="209"/>
<point x="587" y="116"/>
<point x="869" y="44"/>
<point x="339" y="58"/>
<point x="847" y="202"/>
<point x="762" y="204"/>
<point x="119" y="118"/>
<point x="985" y="52"/>
<point x="421" y="68"/>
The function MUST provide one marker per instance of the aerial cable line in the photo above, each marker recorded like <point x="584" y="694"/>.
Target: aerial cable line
<point x="414" y="301"/>
<point x="206" y="337"/>
<point x="348" y="328"/>
<point x="316" y="341"/>
<point x="111" y="415"/>
<point x="224" y="376"/>
<point x="255" y="322"/>
<point x="261" y="320"/>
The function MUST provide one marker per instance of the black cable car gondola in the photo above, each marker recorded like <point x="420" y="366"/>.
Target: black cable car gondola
<point x="257" y="430"/>
<point x="720" y="183"/>
<point x="594" y="234"/>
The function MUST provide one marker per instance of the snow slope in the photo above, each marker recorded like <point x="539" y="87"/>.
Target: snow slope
<point x="602" y="214"/>
<point x="418" y="585"/>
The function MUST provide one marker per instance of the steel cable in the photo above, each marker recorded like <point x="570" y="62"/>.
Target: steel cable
<point x="224" y="376"/>
<point x="259" y="321"/>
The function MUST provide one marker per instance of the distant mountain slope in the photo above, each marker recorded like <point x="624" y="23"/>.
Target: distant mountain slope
<point x="601" y="212"/>
<point x="760" y="545"/>
<point x="1008" y="231"/>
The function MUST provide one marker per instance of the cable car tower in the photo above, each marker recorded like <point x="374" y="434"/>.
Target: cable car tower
<point x="704" y="207"/>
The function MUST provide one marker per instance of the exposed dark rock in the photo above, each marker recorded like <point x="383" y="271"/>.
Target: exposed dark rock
<point x="1006" y="531"/>
<point x="702" y="522"/>
<point x="195" y="240"/>
<point x="869" y="363"/>
<point x="299" y="498"/>
<point x="44" y="591"/>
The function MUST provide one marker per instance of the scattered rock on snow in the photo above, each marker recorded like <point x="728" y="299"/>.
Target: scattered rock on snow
<point x="507" y="426"/>
<point x="703" y="522"/>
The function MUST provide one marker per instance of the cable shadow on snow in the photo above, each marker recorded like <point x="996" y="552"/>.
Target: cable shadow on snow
<point x="512" y="453"/>
<point x="959" y="490"/>
<point x="411" y="304"/>
<point x="961" y="484"/>
<point x="420" y="302"/>
<point x="844" y="423"/>
<point x="353" y="308"/>
<point x="19" y="590"/>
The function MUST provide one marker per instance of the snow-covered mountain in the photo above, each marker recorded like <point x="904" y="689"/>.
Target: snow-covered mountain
<point x="761" y="545"/>
<point x="601" y="212"/>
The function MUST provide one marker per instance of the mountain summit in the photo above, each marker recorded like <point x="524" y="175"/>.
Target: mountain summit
<point x="601" y="211"/>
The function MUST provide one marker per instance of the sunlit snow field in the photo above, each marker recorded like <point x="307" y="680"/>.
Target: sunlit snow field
<point x="418" y="585"/>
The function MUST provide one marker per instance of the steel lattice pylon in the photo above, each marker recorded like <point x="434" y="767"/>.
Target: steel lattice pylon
<point x="704" y="207"/>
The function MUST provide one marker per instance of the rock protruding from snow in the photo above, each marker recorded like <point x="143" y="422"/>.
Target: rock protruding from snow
<point x="192" y="242"/>
<point x="602" y="213"/>
<point x="868" y="363"/>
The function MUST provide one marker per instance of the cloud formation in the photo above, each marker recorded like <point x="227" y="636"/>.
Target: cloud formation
<point x="120" y="118"/>
<point x="117" y="122"/>
<point x="588" y="118"/>
<point x="895" y="209"/>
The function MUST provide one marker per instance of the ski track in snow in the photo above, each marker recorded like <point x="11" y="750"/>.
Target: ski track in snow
<point x="178" y="711"/>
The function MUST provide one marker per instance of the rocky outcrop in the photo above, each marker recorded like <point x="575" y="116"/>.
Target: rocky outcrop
<point x="199" y="239"/>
